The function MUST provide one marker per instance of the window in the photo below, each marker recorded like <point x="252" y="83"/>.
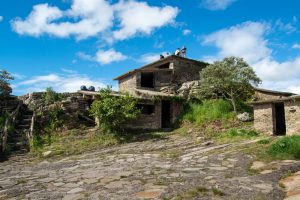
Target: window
<point x="146" y="109"/>
<point x="147" y="80"/>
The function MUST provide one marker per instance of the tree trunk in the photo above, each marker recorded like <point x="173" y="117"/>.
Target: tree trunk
<point x="233" y="105"/>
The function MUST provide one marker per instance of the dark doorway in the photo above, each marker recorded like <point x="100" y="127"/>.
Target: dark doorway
<point x="147" y="80"/>
<point x="279" y="119"/>
<point x="165" y="114"/>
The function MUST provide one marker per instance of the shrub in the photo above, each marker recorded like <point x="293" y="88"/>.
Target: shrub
<point x="50" y="96"/>
<point x="208" y="111"/>
<point x="113" y="111"/>
<point x="241" y="133"/>
<point x="287" y="147"/>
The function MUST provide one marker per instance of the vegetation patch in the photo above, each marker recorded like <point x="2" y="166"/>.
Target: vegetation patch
<point x="209" y="111"/>
<point x="198" y="192"/>
<point x="284" y="148"/>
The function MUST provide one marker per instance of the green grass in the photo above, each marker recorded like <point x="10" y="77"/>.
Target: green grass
<point x="77" y="141"/>
<point x="287" y="147"/>
<point x="208" y="111"/>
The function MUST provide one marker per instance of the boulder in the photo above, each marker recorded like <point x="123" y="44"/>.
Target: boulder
<point x="244" y="117"/>
<point x="47" y="153"/>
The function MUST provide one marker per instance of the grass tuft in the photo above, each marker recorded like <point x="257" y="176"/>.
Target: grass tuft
<point x="287" y="147"/>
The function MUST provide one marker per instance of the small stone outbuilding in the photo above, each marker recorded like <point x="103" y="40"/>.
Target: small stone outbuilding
<point x="276" y="113"/>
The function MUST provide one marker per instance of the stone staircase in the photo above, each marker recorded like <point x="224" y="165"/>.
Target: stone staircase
<point x="17" y="139"/>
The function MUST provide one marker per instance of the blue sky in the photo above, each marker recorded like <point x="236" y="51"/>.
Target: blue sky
<point x="68" y="43"/>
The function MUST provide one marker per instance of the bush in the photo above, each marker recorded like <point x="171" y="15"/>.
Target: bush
<point x="208" y="111"/>
<point x="50" y="96"/>
<point x="113" y="111"/>
<point x="287" y="147"/>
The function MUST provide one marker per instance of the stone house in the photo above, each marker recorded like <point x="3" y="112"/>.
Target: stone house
<point x="157" y="87"/>
<point x="276" y="113"/>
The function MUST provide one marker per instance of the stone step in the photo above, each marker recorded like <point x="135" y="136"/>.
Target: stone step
<point x="25" y="126"/>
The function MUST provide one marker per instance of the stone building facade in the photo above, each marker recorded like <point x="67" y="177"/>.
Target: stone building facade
<point x="158" y="84"/>
<point x="277" y="116"/>
<point x="158" y="88"/>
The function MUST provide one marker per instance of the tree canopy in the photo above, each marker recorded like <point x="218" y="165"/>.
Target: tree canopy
<point x="5" y="88"/>
<point x="232" y="79"/>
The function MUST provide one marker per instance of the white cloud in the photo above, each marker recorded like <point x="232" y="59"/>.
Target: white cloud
<point x="186" y="32"/>
<point x="244" y="40"/>
<point x="69" y="82"/>
<point x="88" y="18"/>
<point x="139" y="17"/>
<point x="103" y="56"/>
<point x="1" y="18"/>
<point x="151" y="57"/>
<point x="216" y="4"/>
<point x="296" y="46"/>
<point x="247" y="40"/>
<point x="288" y="28"/>
<point x="109" y="56"/>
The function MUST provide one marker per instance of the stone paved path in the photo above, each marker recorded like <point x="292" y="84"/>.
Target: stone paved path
<point x="173" y="168"/>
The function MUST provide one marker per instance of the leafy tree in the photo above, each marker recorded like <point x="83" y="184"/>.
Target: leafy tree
<point x="50" y="96"/>
<point x="5" y="88"/>
<point x="231" y="79"/>
<point x="113" y="111"/>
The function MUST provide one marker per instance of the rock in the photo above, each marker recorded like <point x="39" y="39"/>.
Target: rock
<point x="244" y="117"/>
<point x="208" y="143"/>
<point x="256" y="165"/>
<point x="47" y="153"/>
<point x="75" y="190"/>
<point x="149" y="194"/>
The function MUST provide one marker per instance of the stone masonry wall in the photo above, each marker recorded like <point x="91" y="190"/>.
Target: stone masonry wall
<point x="264" y="96"/>
<point x="263" y="121"/>
<point x="186" y="71"/>
<point x="292" y="117"/>
<point x="152" y="121"/>
<point x="128" y="83"/>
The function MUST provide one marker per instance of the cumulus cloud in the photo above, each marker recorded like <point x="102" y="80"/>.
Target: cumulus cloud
<point x="109" y="56"/>
<point x="139" y="17"/>
<point x="216" y="4"/>
<point x="186" y="32"/>
<point x="103" y="57"/>
<point x="1" y="18"/>
<point x="248" y="40"/>
<point x="88" y="18"/>
<point x="69" y="82"/>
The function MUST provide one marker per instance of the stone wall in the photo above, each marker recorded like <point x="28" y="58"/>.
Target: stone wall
<point x="292" y="117"/>
<point x="263" y="120"/>
<point x="128" y="83"/>
<point x="144" y="121"/>
<point x="266" y="96"/>
<point x="185" y="71"/>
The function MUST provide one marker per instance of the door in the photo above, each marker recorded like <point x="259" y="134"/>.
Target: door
<point x="165" y="114"/>
<point x="279" y="119"/>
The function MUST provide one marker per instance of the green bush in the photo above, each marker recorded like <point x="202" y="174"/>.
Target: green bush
<point x="50" y="96"/>
<point x="287" y="147"/>
<point x="208" y="111"/>
<point x="113" y="111"/>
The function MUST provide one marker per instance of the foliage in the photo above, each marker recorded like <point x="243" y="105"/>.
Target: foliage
<point x="208" y="111"/>
<point x="230" y="79"/>
<point x="47" y="123"/>
<point x="241" y="133"/>
<point x="50" y="96"/>
<point x="113" y="111"/>
<point x="287" y="147"/>
<point x="5" y="88"/>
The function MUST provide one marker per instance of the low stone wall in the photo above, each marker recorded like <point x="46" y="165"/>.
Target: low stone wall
<point x="263" y="121"/>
